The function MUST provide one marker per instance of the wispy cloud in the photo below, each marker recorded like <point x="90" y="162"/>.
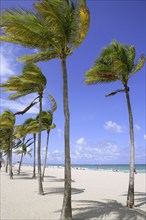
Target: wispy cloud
<point x="137" y="127"/>
<point x="8" y="61"/>
<point x="60" y="133"/>
<point x="144" y="136"/>
<point x="112" y="126"/>
<point x="56" y="155"/>
<point x="106" y="151"/>
<point x="20" y="104"/>
<point x="81" y="141"/>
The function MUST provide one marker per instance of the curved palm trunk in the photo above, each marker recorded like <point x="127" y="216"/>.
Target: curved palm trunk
<point x="45" y="160"/>
<point x="66" y="213"/>
<point x="10" y="159"/>
<point x="40" y="185"/>
<point x="34" y="155"/>
<point x="130" y="195"/>
<point x="21" y="158"/>
<point x="7" y="163"/>
<point x="20" y="164"/>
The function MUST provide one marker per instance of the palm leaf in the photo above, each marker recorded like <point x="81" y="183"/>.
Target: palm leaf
<point x="116" y="62"/>
<point x="53" y="103"/>
<point x="40" y="56"/>
<point x="139" y="64"/>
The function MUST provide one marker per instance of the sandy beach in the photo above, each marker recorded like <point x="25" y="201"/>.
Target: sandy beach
<point x="95" y="195"/>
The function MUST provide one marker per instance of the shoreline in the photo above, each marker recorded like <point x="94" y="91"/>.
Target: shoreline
<point x="95" y="195"/>
<point x="124" y="168"/>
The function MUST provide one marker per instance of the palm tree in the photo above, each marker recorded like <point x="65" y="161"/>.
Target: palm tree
<point x="7" y="121"/>
<point x="116" y="62"/>
<point x="30" y="81"/>
<point x="21" y="133"/>
<point x="47" y="120"/>
<point x="56" y="30"/>
<point x="4" y="145"/>
<point x="32" y="128"/>
<point x="47" y="123"/>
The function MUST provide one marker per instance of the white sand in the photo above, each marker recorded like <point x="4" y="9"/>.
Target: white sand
<point x="95" y="195"/>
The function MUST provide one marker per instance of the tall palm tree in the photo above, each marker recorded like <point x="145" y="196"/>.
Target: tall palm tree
<point x="7" y="122"/>
<point x="32" y="128"/>
<point x="4" y="145"/>
<point x="47" y="123"/>
<point x="56" y="30"/>
<point x="117" y="62"/>
<point x="5" y="142"/>
<point x="30" y="81"/>
<point x="21" y="133"/>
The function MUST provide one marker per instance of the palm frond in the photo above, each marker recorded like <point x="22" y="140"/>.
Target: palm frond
<point x="115" y="92"/>
<point x="40" y="56"/>
<point x="80" y="26"/>
<point x="139" y="64"/>
<point x="25" y="28"/>
<point x="53" y="103"/>
<point x="116" y="62"/>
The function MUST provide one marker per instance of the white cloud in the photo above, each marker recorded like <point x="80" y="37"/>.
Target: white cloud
<point x="60" y="133"/>
<point x="112" y="126"/>
<point x="20" y="104"/>
<point x="144" y="136"/>
<point x="81" y="141"/>
<point x="106" y="151"/>
<point x="56" y="156"/>
<point x="8" y="61"/>
<point x="137" y="127"/>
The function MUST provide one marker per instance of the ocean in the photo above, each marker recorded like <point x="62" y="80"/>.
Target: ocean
<point x="140" y="168"/>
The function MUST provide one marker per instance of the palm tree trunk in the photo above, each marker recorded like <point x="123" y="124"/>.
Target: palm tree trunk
<point x="20" y="163"/>
<point x="66" y="213"/>
<point x="34" y="155"/>
<point x="10" y="159"/>
<point x="40" y="185"/>
<point x="7" y="163"/>
<point x="130" y="195"/>
<point x="45" y="160"/>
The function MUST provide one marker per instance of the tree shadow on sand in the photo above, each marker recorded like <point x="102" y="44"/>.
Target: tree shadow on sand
<point x="140" y="198"/>
<point x="109" y="210"/>
<point x="55" y="180"/>
<point x="60" y="190"/>
<point x="23" y="175"/>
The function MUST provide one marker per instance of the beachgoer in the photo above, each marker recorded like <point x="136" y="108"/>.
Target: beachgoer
<point x="135" y="171"/>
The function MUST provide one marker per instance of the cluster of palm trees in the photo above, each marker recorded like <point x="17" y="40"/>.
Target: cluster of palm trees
<point x="30" y="81"/>
<point x="56" y="28"/>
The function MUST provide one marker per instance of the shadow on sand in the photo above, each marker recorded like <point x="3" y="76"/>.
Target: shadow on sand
<point x="109" y="210"/>
<point x="140" y="198"/>
<point x="60" y="190"/>
<point x="54" y="179"/>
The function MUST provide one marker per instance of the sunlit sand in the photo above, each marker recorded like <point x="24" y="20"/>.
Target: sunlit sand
<point x="95" y="195"/>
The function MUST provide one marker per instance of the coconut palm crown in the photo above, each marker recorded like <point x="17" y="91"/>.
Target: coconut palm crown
<point x="116" y="62"/>
<point x="30" y="81"/>
<point x="55" y="28"/>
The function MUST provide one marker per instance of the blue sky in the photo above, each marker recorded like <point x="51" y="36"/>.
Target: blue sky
<point x="99" y="132"/>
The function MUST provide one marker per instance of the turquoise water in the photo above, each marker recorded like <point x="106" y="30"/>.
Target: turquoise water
<point x="140" y="168"/>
